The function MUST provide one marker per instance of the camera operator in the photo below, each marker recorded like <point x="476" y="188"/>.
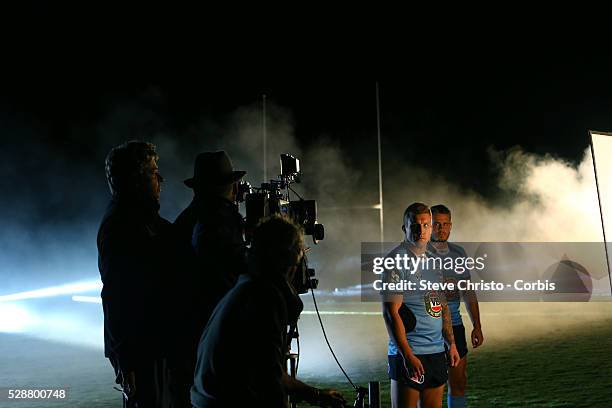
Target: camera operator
<point x="218" y="234"/>
<point x="242" y="353"/>
<point x="133" y="256"/>
<point x="212" y="249"/>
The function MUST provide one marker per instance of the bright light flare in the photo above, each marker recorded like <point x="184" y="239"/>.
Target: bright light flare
<point x="14" y="319"/>
<point x="67" y="289"/>
<point x="87" y="299"/>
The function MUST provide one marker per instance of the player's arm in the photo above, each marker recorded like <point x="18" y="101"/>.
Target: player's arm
<point x="447" y="331"/>
<point x="471" y="304"/>
<point x="397" y="331"/>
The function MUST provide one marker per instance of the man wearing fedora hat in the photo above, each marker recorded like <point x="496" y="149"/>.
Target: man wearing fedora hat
<point x="214" y="228"/>
<point x="210" y="232"/>
<point x="213" y="176"/>
<point x="212" y="223"/>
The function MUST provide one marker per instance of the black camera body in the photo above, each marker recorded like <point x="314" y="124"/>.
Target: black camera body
<point x="273" y="197"/>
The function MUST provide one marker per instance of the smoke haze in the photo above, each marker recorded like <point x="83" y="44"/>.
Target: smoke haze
<point x="49" y="225"/>
<point x="54" y="198"/>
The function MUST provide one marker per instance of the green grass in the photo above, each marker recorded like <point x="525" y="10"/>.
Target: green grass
<point x="566" y="368"/>
<point x="534" y="355"/>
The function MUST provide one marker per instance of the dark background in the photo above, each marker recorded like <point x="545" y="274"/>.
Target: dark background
<point x="75" y="80"/>
<point x="443" y="121"/>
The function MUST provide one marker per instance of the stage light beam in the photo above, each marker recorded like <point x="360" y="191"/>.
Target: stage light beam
<point x="67" y="289"/>
<point x="87" y="299"/>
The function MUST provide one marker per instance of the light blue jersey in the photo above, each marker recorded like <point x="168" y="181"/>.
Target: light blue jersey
<point x="453" y="297"/>
<point x="426" y="338"/>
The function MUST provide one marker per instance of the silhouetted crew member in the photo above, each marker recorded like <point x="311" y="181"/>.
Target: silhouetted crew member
<point x="241" y="355"/>
<point x="212" y="253"/>
<point x="132" y="257"/>
<point x="218" y="235"/>
<point x="219" y="239"/>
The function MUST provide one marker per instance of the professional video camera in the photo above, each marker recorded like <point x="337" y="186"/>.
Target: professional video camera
<point x="273" y="197"/>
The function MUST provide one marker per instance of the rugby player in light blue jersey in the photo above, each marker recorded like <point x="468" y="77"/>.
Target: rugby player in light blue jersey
<point x="417" y="360"/>
<point x="457" y="376"/>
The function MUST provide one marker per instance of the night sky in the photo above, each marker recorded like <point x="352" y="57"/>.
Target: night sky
<point x="443" y="121"/>
<point x="446" y="104"/>
<point x="73" y="85"/>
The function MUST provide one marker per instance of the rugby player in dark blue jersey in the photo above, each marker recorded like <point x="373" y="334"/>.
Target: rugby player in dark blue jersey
<point x="416" y="321"/>
<point x="457" y="376"/>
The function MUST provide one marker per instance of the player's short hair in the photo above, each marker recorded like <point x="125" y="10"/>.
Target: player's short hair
<point x="440" y="209"/>
<point x="415" y="209"/>
<point x="278" y="243"/>
<point x="125" y="161"/>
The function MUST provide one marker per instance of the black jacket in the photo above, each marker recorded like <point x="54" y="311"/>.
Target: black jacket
<point x="220" y="249"/>
<point x="184" y="224"/>
<point x="241" y="355"/>
<point x="134" y="257"/>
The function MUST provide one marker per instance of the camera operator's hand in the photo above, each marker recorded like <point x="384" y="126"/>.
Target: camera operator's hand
<point x="331" y="399"/>
<point x="299" y="391"/>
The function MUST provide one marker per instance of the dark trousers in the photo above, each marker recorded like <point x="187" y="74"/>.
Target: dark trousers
<point x="179" y="379"/>
<point x="150" y="384"/>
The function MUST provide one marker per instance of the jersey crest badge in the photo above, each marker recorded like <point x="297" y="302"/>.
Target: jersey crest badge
<point x="433" y="306"/>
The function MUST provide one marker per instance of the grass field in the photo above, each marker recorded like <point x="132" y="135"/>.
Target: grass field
<point x="561" y="357"/>
<point x="535" y="355"/>
<point x="572" y="369"/>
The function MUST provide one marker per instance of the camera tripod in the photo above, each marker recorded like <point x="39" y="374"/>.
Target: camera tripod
<point x="372" y="392"/>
